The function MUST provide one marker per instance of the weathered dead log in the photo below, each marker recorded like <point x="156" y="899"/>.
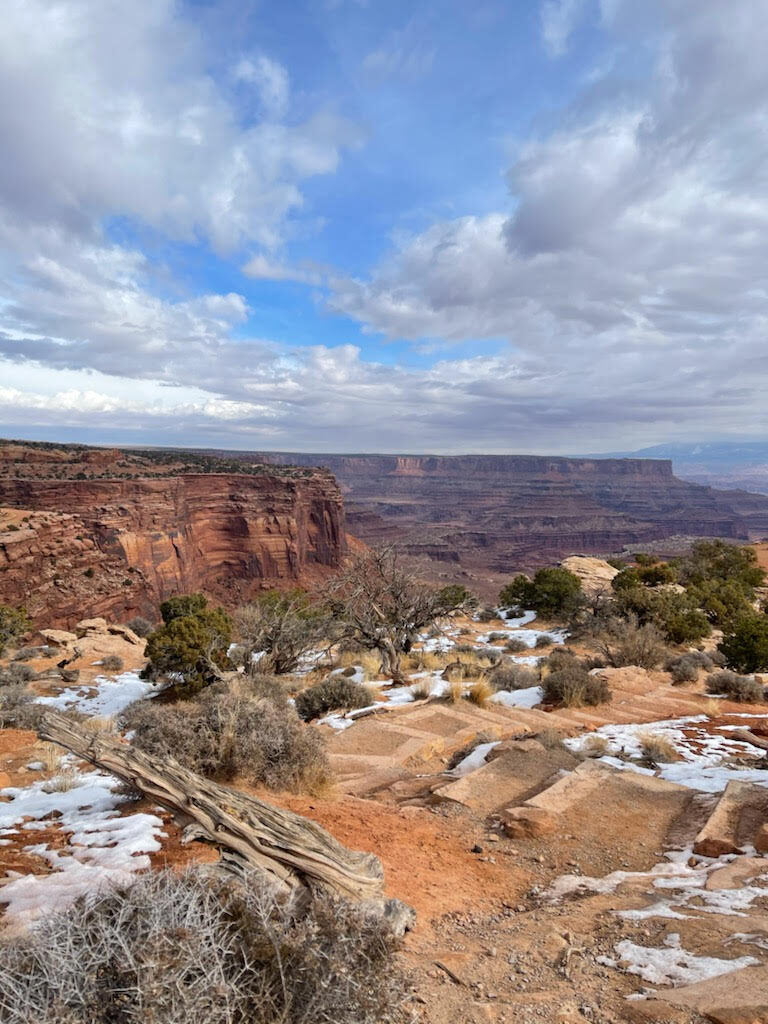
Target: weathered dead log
<point x="745" y="736"/>
<point x="293" y="850"/>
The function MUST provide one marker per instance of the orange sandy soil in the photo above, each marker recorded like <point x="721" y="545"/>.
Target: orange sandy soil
<point x="761" y="550"/>
<point x="427" y="858"/>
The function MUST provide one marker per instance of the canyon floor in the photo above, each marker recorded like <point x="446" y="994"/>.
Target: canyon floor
<point x="553" y="881"/>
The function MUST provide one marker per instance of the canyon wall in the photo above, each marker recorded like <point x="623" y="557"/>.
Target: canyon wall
<point x="118" y="547"/>
<point x="483" y="516"/>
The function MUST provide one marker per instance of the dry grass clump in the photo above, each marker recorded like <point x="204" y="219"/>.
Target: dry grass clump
<point x="570" y="685"/>
<point x="480" y="693"/>
<point x="712" y="708"/>
<point x="245" y="728"/>
<point x="471" y="665"/>
<point x="455" y="692"/>
<point x="67" y="779"/>
<point x="421" y="690"/>
<point x="368" y="661"/>
<point x="741" y="689"/>
<point x="595" y="745"/>
<point x="333" y="694"/>
<point x="511" y="676"/>
<point x="425" y="661"/>
<point x="549" y="738"/>
<point x="176" y="948"/>
<point x="112" y="663"/>
<point x="657" y="749"/>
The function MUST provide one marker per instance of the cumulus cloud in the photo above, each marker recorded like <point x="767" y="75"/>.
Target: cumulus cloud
<point x="632" y="263"/>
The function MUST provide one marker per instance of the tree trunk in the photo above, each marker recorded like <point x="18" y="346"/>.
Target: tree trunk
<point x="390" y="662"/>
<point x="293" y="850"/>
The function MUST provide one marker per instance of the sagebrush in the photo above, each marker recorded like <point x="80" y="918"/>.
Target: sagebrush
<point x="171" y="949"/>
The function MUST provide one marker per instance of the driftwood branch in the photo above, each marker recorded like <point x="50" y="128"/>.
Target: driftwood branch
<point x="293" y="850"/>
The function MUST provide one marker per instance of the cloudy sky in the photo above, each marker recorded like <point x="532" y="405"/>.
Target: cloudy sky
<point x="380" y="225"/>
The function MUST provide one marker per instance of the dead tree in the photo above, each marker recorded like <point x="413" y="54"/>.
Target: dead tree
<point x="295" y="852"/>
<point x="382" y="607"/>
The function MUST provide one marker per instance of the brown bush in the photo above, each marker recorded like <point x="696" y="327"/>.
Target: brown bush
<point x="511" y="676"/>
<point x="243" y="728"/>
<point x="332" y="694"/>
<point x="571" y="685"/>
<point x="738" y="688"/>
<point x="112" y="663"/>
<point x="173" y="948"/>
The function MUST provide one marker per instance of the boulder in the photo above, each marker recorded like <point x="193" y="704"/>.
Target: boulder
<point x="69" y="675"/>
<point x="594" y="573"/>
<point x="58" y="637"/>
<point x="87" y="627"/>
<point x="528" y="822"/>
<point x="125" y="633"/>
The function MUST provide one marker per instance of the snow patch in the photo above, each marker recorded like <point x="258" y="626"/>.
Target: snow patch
<point x="670" y="964"/>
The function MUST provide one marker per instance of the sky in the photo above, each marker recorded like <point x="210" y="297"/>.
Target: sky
<point x="379" y="225"/>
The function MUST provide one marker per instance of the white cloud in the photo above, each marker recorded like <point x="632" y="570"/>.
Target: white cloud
<point x="116" y="100"/>
<point x="558" y="20"/>
<point x="263" y="268"/>
<point x="271" y="80"/>
<point x="402" y="57"/>
<point x="630" y="274"/>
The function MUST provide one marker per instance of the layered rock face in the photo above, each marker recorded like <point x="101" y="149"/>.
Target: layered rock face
<point x="487" y="515"/>
<point x="118" y="547"/>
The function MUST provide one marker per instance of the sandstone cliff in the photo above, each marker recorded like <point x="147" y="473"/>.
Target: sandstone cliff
<point x="117" y="547"/>
<point x="487" y="515"/>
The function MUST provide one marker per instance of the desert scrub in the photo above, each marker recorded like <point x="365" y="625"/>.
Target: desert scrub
<point x="511" y="676"/>
<point x="176" y="948"/>
<point x="571" y="686"/>
<point x="140" y="626"/>
<point x="332" y="694"/>
<point x="741" y="689"/>
<point x="112" y="663"/>
<point x="246" y="729"/>
<point x="515" y="645"/>
<point x="17" y="707"/>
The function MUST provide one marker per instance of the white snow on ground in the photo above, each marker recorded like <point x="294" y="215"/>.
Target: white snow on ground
<point x="527" y="698"/>
<point x="520" y="620"/>
<point x="104" y="847"/>
<point x="527" y="636"/>
<point x="703" y="754"/>
<point x="103" y="697"/>
<point x="476" y="759"/>
<point x="670" y="964"/>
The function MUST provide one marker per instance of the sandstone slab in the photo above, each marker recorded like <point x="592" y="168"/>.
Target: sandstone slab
<point x="595" y="573"/>
<point x="58" y="637"/>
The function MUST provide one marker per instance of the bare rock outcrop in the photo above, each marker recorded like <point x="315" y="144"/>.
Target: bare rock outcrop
<point x="595" y="573"/>
<point x="113" y="548"/>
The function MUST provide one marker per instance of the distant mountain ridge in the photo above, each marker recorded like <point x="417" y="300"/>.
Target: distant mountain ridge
<point x="733" y="465"/>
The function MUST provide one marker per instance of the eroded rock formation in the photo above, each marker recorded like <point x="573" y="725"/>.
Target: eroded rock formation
<point x="487" y="515"/>
<point x="117" y="547"/>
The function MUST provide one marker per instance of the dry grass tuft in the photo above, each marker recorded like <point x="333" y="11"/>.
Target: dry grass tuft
<point x="422" y="689"/>
<point x="657" y="749"/>
<point x="595" y="745"/>
<point x="480" y="693"/>
<point x="455" y="692"/>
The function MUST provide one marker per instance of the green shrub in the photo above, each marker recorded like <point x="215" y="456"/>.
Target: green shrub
<point x="331" y="694"/>
<point x="173" y="948"/>
<point x="13" y="624"/>
<point x="745" y="647"/>
<point x="245" y="729"/>
<point x="181" y="606"/>
<point x="738" y="688"/>
<point x="192" y="647"/>
<point x="552" y="593"/>
<point x="455" y="596"/>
